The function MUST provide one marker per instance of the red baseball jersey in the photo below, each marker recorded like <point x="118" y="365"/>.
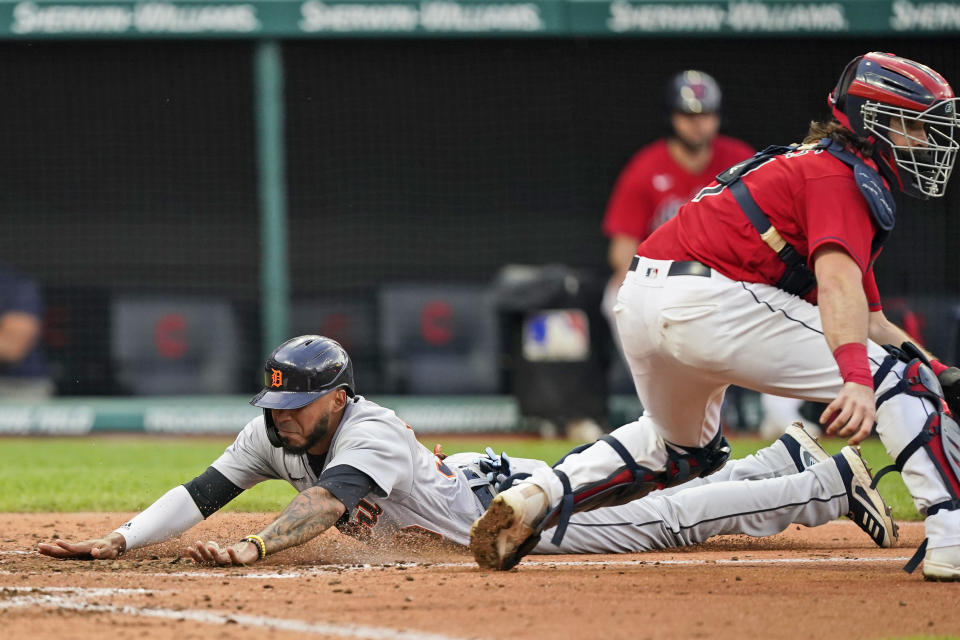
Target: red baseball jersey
<point x="653" y="187"/>
<point x="809" y="196"/>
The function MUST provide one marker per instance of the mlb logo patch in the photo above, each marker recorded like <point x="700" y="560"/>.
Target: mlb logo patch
<point x="556" y="335"/>
<point x="652" y="272"/>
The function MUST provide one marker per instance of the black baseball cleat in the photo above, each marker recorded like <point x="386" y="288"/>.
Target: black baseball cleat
<point x="867" y="507"/>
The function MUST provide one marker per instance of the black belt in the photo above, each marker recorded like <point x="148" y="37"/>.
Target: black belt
<point x="483" y="491"/>
<point x="680" y="268"/>
<point x="484" y="494"/>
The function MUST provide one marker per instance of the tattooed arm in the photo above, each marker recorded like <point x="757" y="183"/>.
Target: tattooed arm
<point x="312" y="512"/>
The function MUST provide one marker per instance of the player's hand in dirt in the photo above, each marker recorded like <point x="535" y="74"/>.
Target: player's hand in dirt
<point x="107" y="548"/>
<point x="242" y="553"/>
<point x="852" y="413"/>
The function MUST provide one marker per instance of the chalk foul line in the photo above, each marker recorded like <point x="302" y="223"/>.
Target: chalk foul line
<point x="76" y="599"/>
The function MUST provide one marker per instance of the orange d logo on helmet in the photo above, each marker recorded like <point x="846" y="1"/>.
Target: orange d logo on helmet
<point x="276" y="380"/>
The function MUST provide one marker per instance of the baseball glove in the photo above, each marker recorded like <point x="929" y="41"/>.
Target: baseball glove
<point x="950" y="382"/>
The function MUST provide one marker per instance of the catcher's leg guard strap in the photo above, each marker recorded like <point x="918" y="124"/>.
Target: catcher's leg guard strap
<point x="635" y="481"/>
<point x="912" y="447"/>
<point x="622" y="486"/>
<point x="883" y="370"/>
<point x="917" y="558"/>
<point x="918" y="380"/>
<point x="566" y="509"/>
<point x="939" y="437"/>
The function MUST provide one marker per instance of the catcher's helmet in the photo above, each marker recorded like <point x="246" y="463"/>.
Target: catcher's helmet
<point x="877" y="89"/>
<point x="693" y="91"/>
<point x="298" y="372"/>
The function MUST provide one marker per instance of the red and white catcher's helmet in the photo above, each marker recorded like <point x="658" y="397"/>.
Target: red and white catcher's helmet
<point x="879" y="94"/>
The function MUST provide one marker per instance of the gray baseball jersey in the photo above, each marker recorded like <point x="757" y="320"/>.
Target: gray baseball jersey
<point x="418" y="493"/>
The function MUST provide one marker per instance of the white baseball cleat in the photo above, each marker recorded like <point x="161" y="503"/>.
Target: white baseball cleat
<point x="803" y="447"/>
<point x="942" y="564"/>
<point x="867" y="507"/>
<point x="507" y="530"/>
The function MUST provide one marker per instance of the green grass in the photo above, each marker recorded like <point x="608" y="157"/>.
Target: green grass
<point x="112" y="473"/>
<point x="926" y="638"/>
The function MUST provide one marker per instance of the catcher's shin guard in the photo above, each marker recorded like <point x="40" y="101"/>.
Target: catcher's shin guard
<point x="633" y="481"/>
<point x="940" y="435"/>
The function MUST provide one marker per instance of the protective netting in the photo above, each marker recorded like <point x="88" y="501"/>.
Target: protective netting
<point x="129" y="175"/>
<point x="416" y="170"/>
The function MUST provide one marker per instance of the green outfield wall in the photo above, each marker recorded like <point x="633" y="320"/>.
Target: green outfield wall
<point x="315" y="18"/>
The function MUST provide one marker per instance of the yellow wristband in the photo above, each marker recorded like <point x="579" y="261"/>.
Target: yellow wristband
<point x="261" y="546"/>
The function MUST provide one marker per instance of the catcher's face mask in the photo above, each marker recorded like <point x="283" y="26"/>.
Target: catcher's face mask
<point x="909" y="112"/>
<point x="922" y="146"/>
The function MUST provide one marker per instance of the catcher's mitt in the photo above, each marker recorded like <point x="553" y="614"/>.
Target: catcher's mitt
<point x="950" y="381"/>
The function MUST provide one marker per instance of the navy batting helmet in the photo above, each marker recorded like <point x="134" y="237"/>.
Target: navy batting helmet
<point x="693" y="91"/>
<point x="298" y="372"/>
<point x="879" y="94"/>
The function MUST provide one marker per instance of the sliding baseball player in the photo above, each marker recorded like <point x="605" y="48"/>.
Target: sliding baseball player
<point x="359" y="468"/>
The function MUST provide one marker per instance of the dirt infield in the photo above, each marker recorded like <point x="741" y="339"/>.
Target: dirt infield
<point x="828" y="582"/>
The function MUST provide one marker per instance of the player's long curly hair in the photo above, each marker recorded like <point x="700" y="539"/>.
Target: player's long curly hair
<point x="838" y="133"/>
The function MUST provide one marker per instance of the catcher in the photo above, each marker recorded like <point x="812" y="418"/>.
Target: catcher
<point x="765" y="280"/>
<point x="360" y="468"/>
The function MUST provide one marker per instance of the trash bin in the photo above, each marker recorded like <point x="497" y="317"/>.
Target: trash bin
<point x="555" y="346"/>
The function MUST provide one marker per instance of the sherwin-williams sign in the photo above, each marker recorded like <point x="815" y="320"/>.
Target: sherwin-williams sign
<point x="757" y="18"/>
<point x="319" y="18"/>
<point x="279" y="18"/>
<point x="38" y="18"/>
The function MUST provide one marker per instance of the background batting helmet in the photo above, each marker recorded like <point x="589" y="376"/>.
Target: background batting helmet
<point x="298" y="372"/>
<point x="878" y="88"/>
<point x="693" y="91"/>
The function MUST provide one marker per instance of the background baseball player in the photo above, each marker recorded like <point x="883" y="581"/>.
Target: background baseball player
<point x="663" y="176"/>
<point x="359" y="467"/>
<point x="765" y="280"/>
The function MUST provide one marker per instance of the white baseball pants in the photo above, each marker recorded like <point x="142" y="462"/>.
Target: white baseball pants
<point x="759" y="495"/>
